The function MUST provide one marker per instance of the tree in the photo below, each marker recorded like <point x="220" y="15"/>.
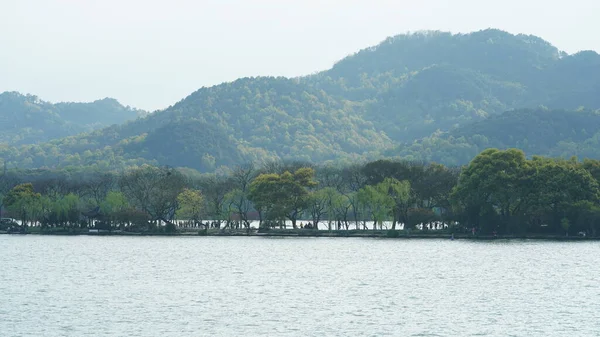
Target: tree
<point x="191" y="205"/>
<point x="593" y="167"/>
<point x="329" y="176"/>
<point x="565" y="224"/>
<point x="400" y="193"/>
<point x="54" y="186"/>
<point x="586" y="217"/>
<point x="354" y="178"/>
<point x="265" y="193"/>
<point x="240" y="204"/>
<point x="154" y="190"/>
<point x="66" y="210"/>
<point x="7" y="182"/>
<point x="214" y="188"/>
<point x="419" y="216"/>
<point x="114" y="204"/>
<point x="242" y="176"/>
<point x="98" y="187"/>
<point x="558" y="185"/>
<point x="24" y="201"/>
<point x="494" y="179"/>
<point x="295" y="187"/>
<point x="238" y="198"/>
<point x="282" y="195"/>
<point x="338" y="206"/>
<point x="355" y="202"/>
<point x="375" y="172"/>
<point x="319" y="203"/>
<point x="377" y="202"/>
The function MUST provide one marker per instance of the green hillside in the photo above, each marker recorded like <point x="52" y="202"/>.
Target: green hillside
<point x="26" y="119"/>
<point x="421" y="96"/>
<point x="556" y="133"/>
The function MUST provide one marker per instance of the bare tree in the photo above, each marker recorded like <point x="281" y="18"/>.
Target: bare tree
<point x="238" y="198"/>
<point x="329" y="176"/>
<point x="243" y="174"/>
<point x="215" y="188"/>
<point x="154" y="190"/>
<point x="273" y="166"/>
<point x="354" y="178"/>
<point x="54" y="187"/>
<point x="97" y="187"/>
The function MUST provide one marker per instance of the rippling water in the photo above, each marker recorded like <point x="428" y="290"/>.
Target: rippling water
<point x="232" y="286"/>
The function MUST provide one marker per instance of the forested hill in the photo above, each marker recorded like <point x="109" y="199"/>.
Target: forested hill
<point x="26" y="119"/>
<point x="407" y="88"/>
<point x="254" y="119"/>
<point x="556" y="133"/>
<point x="418" y="83"/>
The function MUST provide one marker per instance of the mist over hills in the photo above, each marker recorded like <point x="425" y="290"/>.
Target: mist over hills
<point x="424" y="96"/>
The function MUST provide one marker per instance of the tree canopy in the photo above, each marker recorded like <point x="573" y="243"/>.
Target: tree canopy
<point x="499" y="192"/>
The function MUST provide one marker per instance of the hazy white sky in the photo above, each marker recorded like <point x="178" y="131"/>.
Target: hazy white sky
<point x="152" y="53"/>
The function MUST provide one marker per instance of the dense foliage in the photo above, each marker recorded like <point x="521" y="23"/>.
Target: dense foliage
<point x="557" y="133"/>
<point x="25" y="119"/>
<point x="499" y="193"/>
<point x="449" y="90"/>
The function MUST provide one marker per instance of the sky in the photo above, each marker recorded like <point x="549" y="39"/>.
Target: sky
<point x="149" y="54"/>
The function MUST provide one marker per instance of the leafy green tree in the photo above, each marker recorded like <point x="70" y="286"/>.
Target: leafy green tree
<point x="586" y="217"/>
<point x="266" y="194"/>
<point x="23" y="201"/>
<point x="338" y="206"/>
<point x="113" y="205"/>
<point x="558" y="184"/>
<point x="191" y="205"/>
<point x="377" y="202"/>
<point x="282" y="195"/>
<point x="400" y="194"/>
<point x="494" y="179"/>
<point x="70" y="209"/>
<point x="593" y="167"/>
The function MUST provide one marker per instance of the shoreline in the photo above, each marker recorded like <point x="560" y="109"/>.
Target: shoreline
<point x="320" y="233"/>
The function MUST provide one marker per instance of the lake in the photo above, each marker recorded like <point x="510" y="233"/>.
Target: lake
<point x="256" y="286"/>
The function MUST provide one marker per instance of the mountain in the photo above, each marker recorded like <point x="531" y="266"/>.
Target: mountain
<point x="26" y="119"/>
<point x="419" y="83"/>
<point x="252" y="119"/>
<point x="391" y="99"/>
<point x="555" y="133"/>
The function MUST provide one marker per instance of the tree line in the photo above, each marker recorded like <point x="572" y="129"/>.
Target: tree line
<point x="500" y="192"/>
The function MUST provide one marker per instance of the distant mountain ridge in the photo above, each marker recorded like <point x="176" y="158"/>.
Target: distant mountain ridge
<point x="383" y="100"/>
<point x="26" y="119"/>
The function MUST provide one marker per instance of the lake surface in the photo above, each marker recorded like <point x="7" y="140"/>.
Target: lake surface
<point x="236" y="286"/>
